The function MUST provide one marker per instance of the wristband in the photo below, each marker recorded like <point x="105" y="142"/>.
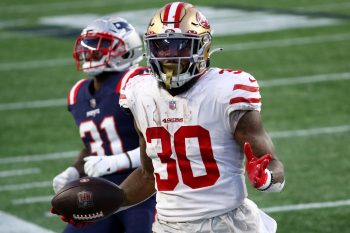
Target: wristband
<point x="268" y="182"/>
<point x="275" y="187"/>
<point x="271" y="187"/>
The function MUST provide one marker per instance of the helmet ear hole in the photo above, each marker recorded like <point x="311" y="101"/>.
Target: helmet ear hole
<point x="207" y="62"/>
<point x="126" y="55"/>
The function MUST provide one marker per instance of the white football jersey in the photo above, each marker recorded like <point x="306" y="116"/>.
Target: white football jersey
<point x="198" y="166"/>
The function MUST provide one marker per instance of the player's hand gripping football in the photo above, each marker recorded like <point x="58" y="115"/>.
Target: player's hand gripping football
<point x="71" y="173"/>
<point x="68" y="175"/>
<point x="258" y="174"/>
<point x="70" y="220"/>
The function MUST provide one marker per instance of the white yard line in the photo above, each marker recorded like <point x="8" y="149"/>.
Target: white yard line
<point x="12" y="35"/>
<point x="36" y="64"/>
<point x="13" y="224"/>
<point x="13" y="23"/>
<point x="310" y="132"/>
<point x="305" y="79"/>
<point x="24" y="186"/>
<point x="36" y="158"/>
<point x="20" y="172"/>
<point x="31" y="200"/>
<point x="306" y="206"/>
<point x="285" y="42"/>
<point x="33" y="104"/>
<point x="267" y="83"/>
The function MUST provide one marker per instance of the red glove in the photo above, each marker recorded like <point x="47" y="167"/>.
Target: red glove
<point x="258" y="175"/>
<point x="70" y="220"/>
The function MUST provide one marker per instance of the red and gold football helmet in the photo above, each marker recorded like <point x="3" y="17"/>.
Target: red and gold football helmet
<point x="177" y="42"/>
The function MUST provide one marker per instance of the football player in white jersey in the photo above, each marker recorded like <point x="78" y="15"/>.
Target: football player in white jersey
<point x="195" y="124"/>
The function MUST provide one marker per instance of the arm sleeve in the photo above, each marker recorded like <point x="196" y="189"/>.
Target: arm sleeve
<point x="245" y="94"/>
<point x="134" y="157"/>
<point x="241" y="94"/>
<point x="126" y="160"/>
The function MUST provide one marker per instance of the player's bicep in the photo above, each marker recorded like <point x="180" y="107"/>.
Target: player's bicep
<point x="250" y="129"/>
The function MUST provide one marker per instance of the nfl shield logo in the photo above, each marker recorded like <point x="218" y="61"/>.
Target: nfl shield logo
<point x="85" y="199"/>
<point x="93" y="103"/>
<point x="172" y="104"/>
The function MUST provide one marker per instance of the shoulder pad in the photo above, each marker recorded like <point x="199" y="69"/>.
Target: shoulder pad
<point x="73" y="93"/>
<point x="242" y="89"/>
<point x="129" y="74"/>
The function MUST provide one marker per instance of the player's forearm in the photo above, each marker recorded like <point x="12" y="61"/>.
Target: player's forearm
<point x="263" y="145"/>
<point x="140" y="184"/>
<point x="79" y="162"/>
<point x="138" y="187"/>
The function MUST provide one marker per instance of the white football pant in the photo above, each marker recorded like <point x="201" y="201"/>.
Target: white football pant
<point x="247" y="218"/>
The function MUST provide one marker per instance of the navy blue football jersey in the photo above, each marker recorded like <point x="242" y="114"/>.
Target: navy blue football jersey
<point x="106" y="129"/>
<point x="104" y="126"/>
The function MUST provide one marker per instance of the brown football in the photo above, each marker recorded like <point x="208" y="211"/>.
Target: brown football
<point x="88" y="199"/>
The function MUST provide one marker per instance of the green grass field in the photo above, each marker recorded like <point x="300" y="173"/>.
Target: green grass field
<point x="305" y="82"/>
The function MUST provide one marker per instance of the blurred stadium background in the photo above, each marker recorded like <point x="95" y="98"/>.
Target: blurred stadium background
<point x="298" y="50"/>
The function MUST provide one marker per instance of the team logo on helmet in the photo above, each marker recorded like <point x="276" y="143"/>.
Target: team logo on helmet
<point x="85" y="199"/>
<point x="169" y="30"/>
<point x="202" y="20"/>
<point x="122" y="25"/>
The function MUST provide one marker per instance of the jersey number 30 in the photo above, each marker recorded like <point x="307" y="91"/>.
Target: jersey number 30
<point x="206" y="153"/>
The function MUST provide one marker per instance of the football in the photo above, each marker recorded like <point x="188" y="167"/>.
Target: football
<point x="88" y="199"/>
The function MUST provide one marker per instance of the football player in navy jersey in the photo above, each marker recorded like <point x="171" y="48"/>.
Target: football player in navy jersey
<point x="108" y="51"/>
